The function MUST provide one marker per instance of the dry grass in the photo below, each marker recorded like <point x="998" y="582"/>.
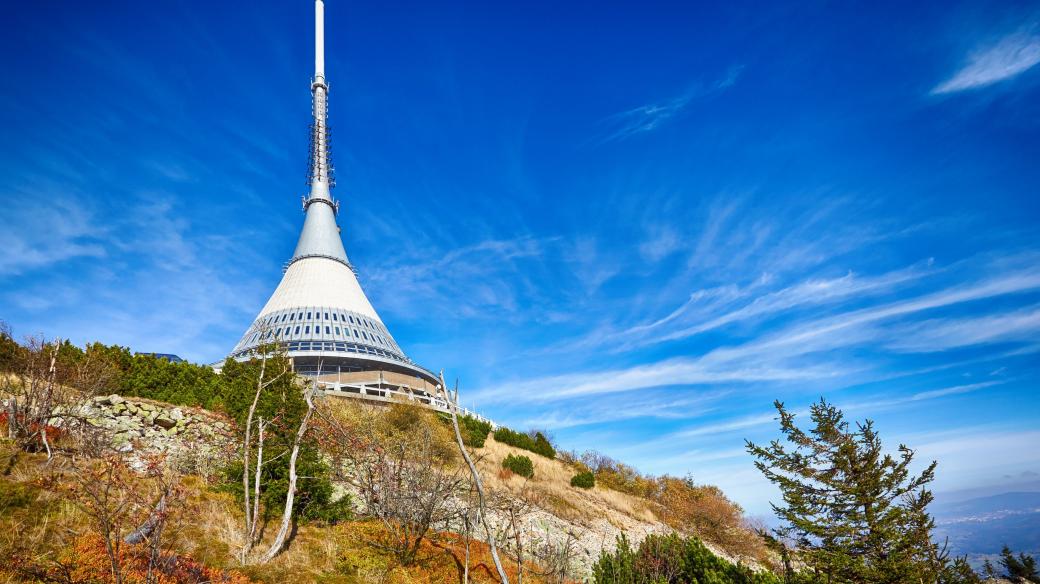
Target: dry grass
<point x="37" y="521"/>
<point x="551" y="488"/>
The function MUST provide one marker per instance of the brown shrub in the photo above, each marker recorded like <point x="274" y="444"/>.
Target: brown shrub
<point x="705" y="511"/>
<point x="87" y="561"/>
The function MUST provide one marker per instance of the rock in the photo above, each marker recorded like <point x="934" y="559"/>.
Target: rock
<point x="115" y="399"/>
<point x="164" y="422"/>
<point x="118" y="408"/>
<point x="146" y="407"/>
<point x="177" y="414"/>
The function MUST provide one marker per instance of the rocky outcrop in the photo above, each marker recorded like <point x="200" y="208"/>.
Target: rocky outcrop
<point x="192" y="440"/>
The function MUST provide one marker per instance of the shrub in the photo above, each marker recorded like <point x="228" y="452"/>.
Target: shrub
<point x="705" y="510"/>
<point x="671" y="558"/>
<point x="583" y="480"/>
<point x="539" y="444"/>
<point x="185" y="384"/>
<point x="521" y="465"/>
<point x="16" y="496"/>
<point x="617" y="475"/>
<point x="474" y="432"/>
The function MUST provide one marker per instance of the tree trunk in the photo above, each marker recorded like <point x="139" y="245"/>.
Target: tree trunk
<point x="256" y="482"/>
<point x="453" y="406"/>
<point x="250" y="528"/>
<point x="140" y="534"/>
<point x="290" y="496"/>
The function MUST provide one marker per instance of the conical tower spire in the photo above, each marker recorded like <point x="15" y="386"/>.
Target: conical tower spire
<point x="319" y="314"/>
<point x="320" y="236"/>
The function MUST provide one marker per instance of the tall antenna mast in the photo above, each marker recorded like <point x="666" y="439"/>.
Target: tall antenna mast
<point x="320" y="177"/>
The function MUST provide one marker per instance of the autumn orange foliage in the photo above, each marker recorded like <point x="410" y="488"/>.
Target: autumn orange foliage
<point x="87" y="561"/>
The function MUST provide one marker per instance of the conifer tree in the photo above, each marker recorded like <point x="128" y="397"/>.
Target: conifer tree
<point x="854" y="512"/>
<point x="1022" y="567"/>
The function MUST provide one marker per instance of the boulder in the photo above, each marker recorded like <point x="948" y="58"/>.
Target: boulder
<point x="164" y="422"/>
<point x="177" y="414"/>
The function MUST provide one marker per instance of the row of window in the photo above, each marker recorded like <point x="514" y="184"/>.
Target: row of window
<point x="281" y="333"/>
<point x="301" y="321"/>
<point x="340" y="347"/>
<point x="336" y="317"/>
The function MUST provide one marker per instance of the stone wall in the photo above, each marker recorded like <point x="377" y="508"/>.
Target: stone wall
<point x="192" y="440"/>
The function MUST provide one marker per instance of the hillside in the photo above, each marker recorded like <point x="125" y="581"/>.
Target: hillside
<point x="133" y="447"/>
<point x="120" y="468"/>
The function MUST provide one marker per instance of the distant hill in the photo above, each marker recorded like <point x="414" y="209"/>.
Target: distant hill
<point x="979" y="527"/>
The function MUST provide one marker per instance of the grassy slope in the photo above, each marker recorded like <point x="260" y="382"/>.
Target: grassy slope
<point x="41" y="524"/>
<point x="48" y="523"/>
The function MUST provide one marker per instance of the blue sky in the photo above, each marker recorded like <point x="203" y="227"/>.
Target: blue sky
<point x="633" y="224"/>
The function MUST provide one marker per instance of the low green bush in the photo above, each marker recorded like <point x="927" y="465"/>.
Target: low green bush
<point x="184" y="384"/>
<point x="474" y="432"/>
<point x="583" y="480"/>
<point x="521" y="465"/>
<point x="16" y="496"/>
<point x="539" y="444"/>
<point x="671" y="558"/>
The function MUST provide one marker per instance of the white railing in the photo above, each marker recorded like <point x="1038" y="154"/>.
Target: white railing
<point x="387" y="395"/>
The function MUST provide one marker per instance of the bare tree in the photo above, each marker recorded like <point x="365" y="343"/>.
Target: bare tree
<point x="50" y="381"/>
<point x="453" y="406"/>
<point x="35" y="396"/>
<point x="166" y="488"/>
<point x="555" y="557"/>
<point x="279" y="539"/>
<point x="264" y="380"/>
<point x="405" y="477"/>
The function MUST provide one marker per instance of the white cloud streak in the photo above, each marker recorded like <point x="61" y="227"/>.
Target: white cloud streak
<point x="1008" y="58"/>
<point x="649" y="117"/>
<point x="776" y="357"/>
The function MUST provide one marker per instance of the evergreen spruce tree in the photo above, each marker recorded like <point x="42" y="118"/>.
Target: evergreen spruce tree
<point x="1021" y="567"/>
<point x="854" y="512"/>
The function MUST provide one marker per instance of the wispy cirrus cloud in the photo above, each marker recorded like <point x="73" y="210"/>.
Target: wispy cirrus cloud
<point x="779" y="355"/>
<point x="35" y="236"/>
<point x="1011" y="56"/>
<point x="646" y="118"/>
<point x="950" y="333"/>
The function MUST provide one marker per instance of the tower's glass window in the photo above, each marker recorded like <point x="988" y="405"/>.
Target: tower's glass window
<point x="292" y="316"/>
<point x="326" y="316"/>
<point x="337" y="330"/>
<point x="286" y="331"/>
<point x="327" y="331"/>
<point x="297" y="329"/>
<point x="334" y="316"/>
<point x="306" y="330"/>
<point x="351" y="319"/>
<point x="355" y="334"/>
<point x="308" y="316"/>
